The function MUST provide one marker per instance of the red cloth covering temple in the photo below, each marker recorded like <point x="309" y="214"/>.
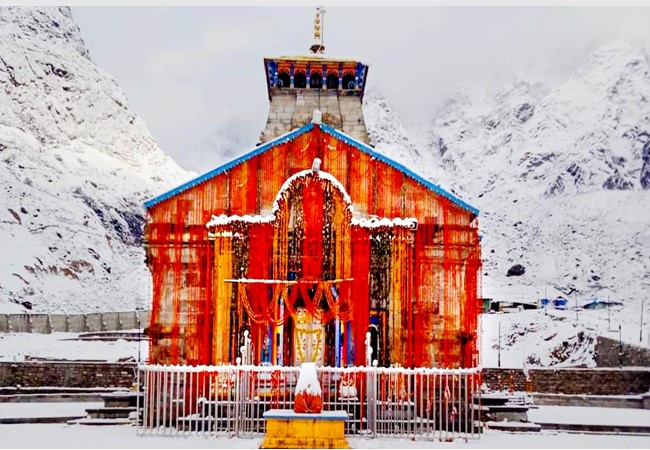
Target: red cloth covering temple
<point x="308" y="261"/>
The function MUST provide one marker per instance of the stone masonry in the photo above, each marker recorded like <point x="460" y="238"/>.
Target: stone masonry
<point x="600" y="381"/>
<point x="29" y="374"/>
<point x="607" y="354"/>
<point x="293" y="108"/>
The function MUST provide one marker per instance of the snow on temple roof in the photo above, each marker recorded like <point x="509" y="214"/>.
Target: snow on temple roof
<point x="291" y="136"/>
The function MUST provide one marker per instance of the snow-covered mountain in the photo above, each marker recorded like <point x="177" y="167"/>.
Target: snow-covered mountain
<point x="77" y="163"/>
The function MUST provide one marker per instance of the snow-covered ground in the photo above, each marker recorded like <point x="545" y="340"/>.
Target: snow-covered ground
<point x="46" y="409"/>
<point x="17" y="346"/>
<point x="77" y="436"/>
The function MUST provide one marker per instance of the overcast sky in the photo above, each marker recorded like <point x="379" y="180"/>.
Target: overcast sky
<point x="196" y="76"/>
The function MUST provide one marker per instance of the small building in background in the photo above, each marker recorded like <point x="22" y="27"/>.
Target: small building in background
<point x="599" y="304"/>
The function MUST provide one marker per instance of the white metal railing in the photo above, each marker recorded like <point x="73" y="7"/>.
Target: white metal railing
<point x="423" y="403"/>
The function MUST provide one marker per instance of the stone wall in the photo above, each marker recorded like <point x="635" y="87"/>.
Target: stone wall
<point x="67" y="374"/>
<point x="607" y="354"/>
<point x="73" y="323"/>
<point x="600" y="381"/>
<point x="293" y="108"/>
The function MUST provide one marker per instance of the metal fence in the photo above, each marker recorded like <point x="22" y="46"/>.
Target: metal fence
<point x="423" y="403"/>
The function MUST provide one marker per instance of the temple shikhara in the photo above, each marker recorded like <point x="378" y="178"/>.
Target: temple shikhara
<point x="311" y="240"/>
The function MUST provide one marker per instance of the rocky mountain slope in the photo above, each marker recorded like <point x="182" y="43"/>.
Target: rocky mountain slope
<point x="77" y="163"/>
<point x="386" y="132"/>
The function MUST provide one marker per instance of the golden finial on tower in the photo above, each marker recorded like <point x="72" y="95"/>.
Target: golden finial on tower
<point x="319" y="47"/>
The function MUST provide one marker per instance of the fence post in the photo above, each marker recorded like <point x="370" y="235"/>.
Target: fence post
<point x="371" y="375"/>
<point x="372" y="399"/>
<point x="238" y="397"/>
<point x="138" y="424"/>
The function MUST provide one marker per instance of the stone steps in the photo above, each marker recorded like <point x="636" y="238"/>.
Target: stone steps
<point x="122" y="399"/>
<point x="13" y="391"/>
<point x="585" y="428"/>
<point x="100" y="422"/>
<point x="640" y="401"/>
<point x="110" y="413"/>
<point x="21" y="420"/>
<point x="514" y="427"/>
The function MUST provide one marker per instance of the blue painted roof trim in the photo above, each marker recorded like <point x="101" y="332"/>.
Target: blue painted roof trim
<point x="365" y="148"/>
<point x="292" y="135"/>
<point x="226" y="167"/>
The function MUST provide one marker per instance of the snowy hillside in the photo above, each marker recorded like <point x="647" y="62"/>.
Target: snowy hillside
<point x="77" y="163"/>
<point x="561" y="175"/>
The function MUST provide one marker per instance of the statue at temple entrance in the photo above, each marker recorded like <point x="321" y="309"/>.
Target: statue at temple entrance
<point x="308" y="338"/>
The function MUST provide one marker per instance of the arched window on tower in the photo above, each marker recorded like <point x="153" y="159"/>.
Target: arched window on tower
<point x="348" y="81"/>
<point x="284" y="79"/>
<point x="300" y="80"/>
<point x="316" y="80"/>
<point x="332" y="81"/>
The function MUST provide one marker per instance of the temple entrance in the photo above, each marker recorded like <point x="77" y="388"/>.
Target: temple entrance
<point x="308" y="339"/>
<point x="290" y="278"/>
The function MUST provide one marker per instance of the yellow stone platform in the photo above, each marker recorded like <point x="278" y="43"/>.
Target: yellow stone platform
<point x="287" y="429"/>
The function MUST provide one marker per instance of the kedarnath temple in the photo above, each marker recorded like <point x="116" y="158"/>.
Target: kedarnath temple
<point x="311" y="240"/>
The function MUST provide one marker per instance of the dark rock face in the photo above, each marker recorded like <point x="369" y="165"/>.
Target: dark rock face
<point x="442" y="146"/>
<point x="577" y="173"/>
<point x="616" y="181"/>
<point x="645" y="170"/>
<point x="516" y="271"/>
<point x="556" y="188"/>
<point x="645" y="176"/>
<point x="525" y="112"/>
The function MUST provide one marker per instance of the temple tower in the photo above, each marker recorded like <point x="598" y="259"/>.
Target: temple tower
<point x="297" y="85"/>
